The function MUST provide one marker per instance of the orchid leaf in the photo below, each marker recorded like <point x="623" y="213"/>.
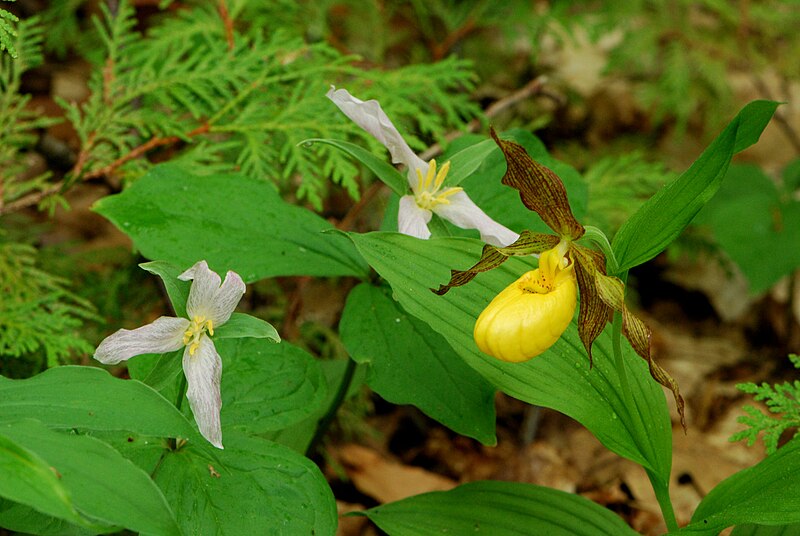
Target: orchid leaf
<point x="409" y="363"/>
<point x="231" y="221"/>
<point x="412" y="267"/>
<point x="541" y="190"/>
<point x="766" y="494"/>
<point x="664" y="216"/>
<point x="492" y="257"/>
<point x="387" y="173"/>
<point x="500" y="509"/>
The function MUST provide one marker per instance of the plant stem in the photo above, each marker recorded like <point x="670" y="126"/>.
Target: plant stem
<point x="662" y="496"/>
<point x="337" y="401"/>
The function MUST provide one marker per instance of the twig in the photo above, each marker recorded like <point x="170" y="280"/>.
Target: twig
<point x="228" y="22"/>
<point x="534" y="87"/>
<point x="36" y="198"/>
<point x="440" y="50"/>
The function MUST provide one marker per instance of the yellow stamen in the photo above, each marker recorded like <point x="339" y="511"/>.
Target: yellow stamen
<point x="192" y="336"/>
<point x="427" y="194"/>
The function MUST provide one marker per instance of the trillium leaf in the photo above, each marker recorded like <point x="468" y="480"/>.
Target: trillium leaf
<point x="387" y="173"/>
<point x="177" y="290"/>
<point x="409" y="363"/>
<point x="29" y="480"/>
<point x="466" y="161"/>
<point x="230" y="220"/>
<point x="492" y="257"/>
<point x="412" y="267"/>
<point x="540" y="189"/>
<point x="251" y="487"/>
<point x="664" y="216"/>
<point x="104" y="486"/>
<point x="766" y="494"/>
<point x="241" y="325"/>
<point x="88" y="397"/>
<point x="500" y="509"/>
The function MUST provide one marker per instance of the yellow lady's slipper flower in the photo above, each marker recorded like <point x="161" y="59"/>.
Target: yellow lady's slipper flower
<point x="530" y="315"/>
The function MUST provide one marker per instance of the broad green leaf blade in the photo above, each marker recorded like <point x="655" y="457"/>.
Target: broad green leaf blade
<point x="382" y="169"/>
<point x="231" y="221"/>
<point x="267" y="386"/>
<point x="766" y="494"/>
<point x="754" y="226"/>
<point x="498" y="509"/>
<point x="409" y="363"/>
<point x="466" y="161"/>
<point x="254" y="487"/>
<point x="24" y="519"/>
<point x="560" y="378"/>
<point x="664" y="216"/>
<point x="242" y="325"/>
<point x="29" y="480"/>
<point x="177" y="290"/>
<point x="87" y="397"/>
<point x="103" y="485"/>
<point x="761" y="530"/>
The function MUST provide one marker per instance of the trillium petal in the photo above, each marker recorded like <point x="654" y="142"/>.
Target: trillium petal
<point x="203" y="371"/>
<point x="463" y="212"/>
<point x="205" y="285"/>
<point x="370" y="116"/>
<point x="226" y="298"/>
<point x="159" y="337"/>
<point x="413" y="220"/>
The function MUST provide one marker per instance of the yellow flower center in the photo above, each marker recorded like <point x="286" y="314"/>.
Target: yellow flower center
<point x="198" y="326"/>
<point x="427" y="194"/>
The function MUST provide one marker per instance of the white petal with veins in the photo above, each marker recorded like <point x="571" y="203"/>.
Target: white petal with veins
<point x="463" y="212"/>
<point x="413" y="220"/>
<point x="163" y="335"/>
<point x="203" y="372"/>
<point x="205" y="285"/>
<point x="370" y="116"/>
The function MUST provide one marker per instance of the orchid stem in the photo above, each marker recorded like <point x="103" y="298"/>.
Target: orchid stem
<point x="337" y="401"/>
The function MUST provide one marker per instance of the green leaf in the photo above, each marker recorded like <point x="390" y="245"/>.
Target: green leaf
<point x="21" y="518"/>
<point x="267" y="386"/>
<point x="499" y="509"/>
<point x="254" y="486"/>
<point x="560" y="378"/>
<point x="766" y="494"/>
<point x="87" y="397"/>
<point x="383" y="170"/>
<point x="231" y="221"/>
<point x="467" y="161"/>
<point x="409" y="363"/>
<point x="177" y="290"/>
<point x="242" y="325"/>
<point x="761" y="530"/>
<point x="29" y="480"/>
<point x="664" y="216"/>
<point x="754" y="226"/>
<point x="103" y="485"/>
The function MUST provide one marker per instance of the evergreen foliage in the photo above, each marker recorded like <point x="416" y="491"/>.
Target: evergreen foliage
<point x="38" y="315"/>
<point x="783" y="402"/>
<point x="8" y="32"/>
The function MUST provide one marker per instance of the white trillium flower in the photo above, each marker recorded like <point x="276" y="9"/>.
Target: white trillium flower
<point x="210" y="305"/>
<point x="428" y="197"/>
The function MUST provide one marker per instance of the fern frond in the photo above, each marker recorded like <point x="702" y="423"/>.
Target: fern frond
<point x="8" y="32"/>
<point x="783" y="403"/>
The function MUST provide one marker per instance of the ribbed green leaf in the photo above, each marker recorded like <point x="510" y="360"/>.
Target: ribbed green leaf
<point x="664" y="216"/>
<point x="766" y="494"/>
<point x="560" y="378"/>
<point x="409" y="363"/>
<point x="241" y="325"/>
<point x="498" y="509"/>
